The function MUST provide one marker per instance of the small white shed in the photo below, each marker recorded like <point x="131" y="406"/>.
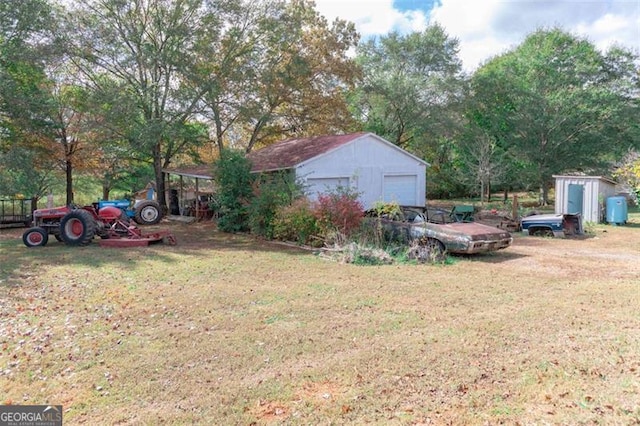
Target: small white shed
<point x="586" y="195"/>
<point x="372" y="166"/>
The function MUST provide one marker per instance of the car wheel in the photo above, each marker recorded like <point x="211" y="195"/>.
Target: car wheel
<point x="543" y="233"/>
<point x="428" y="250"/>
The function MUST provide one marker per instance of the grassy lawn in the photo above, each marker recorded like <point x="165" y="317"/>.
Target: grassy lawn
<point x="224" y="329"/>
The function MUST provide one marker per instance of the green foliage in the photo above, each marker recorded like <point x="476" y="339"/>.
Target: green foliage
<point x="410" y="95"/>
<point x="627" y="173"/>
<point x="296" y="222"/>
<point x="232" y="172"/>
<point x="555" y="104"/>
<point x="276" y="68"/>
<point x="272" y="191"/>
<point x="590" y="228"/>
<point x="381" y="208"/>
<point x="19" y="174"/>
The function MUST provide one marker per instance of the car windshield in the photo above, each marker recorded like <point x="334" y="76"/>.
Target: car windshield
<point x="439" y="216"/>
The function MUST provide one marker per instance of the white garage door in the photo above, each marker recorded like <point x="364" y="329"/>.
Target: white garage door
<point x="401" y="189"/>
<point x="317" y="186"/>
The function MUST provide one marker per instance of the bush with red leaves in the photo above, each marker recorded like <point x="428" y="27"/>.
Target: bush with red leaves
<point x="339" y="211"/>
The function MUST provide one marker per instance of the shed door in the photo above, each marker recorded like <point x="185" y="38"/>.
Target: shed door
<point x="574" y="200"/>
<point x="401" y="189"/>
<point x="317" y="186"/>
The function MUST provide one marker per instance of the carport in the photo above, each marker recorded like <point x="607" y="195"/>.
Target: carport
<point x="190" y="191"/>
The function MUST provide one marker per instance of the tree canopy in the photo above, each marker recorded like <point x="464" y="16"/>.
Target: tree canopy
<point x="118" y="89"/>
<point x="410" y="93"/>
<point x="557" y="105"/>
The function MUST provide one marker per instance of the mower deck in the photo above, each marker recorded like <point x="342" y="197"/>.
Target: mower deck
<point x="140" y="240"/>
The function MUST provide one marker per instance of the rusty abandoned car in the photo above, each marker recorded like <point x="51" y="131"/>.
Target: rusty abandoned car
<point x="439" y="230"/>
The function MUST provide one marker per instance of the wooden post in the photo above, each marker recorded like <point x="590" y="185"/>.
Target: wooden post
<point x="197" y="200"/>
<point x="181" y="205"/>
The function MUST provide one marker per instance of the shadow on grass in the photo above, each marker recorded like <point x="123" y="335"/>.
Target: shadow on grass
<point x="491" y="257"/>
<point x="191" y="240"/>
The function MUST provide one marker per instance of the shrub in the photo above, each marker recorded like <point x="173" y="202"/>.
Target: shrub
<point x="365" y="256"/>
<point x="296" y="222"/>
<point x="386" y="209"/>
<point x="338" y="211"/>
<point x="232" y="172"/>
<point x="271" y="193"/>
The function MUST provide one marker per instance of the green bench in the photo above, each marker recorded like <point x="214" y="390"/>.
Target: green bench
<point x="463" y="213"/>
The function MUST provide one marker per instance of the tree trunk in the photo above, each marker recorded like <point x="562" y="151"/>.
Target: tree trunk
<point x="69" y="176"/>
<point x="254" y="135"/>
<point x="219" y="132"/>
<point x="544" y="195"/>
<point x="157" y="168"/>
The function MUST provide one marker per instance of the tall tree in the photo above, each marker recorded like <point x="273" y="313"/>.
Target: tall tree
<point x="30" y="125"/>
<point x="44" y="117"/>
<point x="24" y="172"/>
<point x="148" y="47"/>
<point x="559" y="105"/>
<point x="282" y="71"/>
<point x="410" y="94"/>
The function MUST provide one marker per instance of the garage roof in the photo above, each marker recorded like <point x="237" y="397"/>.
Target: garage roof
<point x="289" y="153"/>
<point x="284" y="155"/>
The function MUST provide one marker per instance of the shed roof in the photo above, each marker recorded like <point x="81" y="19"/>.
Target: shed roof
<point x="586" y="177"/>
<point x="202" y="171"/>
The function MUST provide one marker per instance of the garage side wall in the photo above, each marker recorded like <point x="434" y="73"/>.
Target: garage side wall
<point x="377" y="170"/>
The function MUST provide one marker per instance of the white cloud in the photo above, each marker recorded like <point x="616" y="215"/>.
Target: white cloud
<point x="373" y="17"/>
<point x="486" y="28"/>
<point x="491" y="26"/>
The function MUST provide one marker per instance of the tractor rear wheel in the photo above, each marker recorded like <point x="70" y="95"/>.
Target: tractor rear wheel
<point x="78" y="228"/>
<point x="147" y="213"/>
<point x="35" y="237"/>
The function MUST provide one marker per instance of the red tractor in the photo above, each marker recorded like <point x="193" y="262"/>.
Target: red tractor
<point x="77" y="226"/>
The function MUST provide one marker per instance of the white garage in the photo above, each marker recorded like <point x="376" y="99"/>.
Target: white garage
<point x="401" y="189"/>
<point x="372" y="166"/>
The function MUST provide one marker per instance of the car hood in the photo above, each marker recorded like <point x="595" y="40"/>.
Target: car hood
<point x="475" y="230"/>
<point x="537" y="217"/>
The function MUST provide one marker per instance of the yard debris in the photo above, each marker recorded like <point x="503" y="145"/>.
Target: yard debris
<point x="498" y="219"/>
<point x="355" y="253"/>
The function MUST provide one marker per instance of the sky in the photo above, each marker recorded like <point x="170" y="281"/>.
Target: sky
<point x="486" y="28"/>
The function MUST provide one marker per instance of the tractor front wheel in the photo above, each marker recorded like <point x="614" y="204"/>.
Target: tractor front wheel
<point x="78" y="228"/>
<point x="147" y="213"/>
<point x="35" y="237"/>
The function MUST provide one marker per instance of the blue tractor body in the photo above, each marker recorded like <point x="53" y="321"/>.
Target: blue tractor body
<point x="143" y="212"/>
<point x="124" y="205"/>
